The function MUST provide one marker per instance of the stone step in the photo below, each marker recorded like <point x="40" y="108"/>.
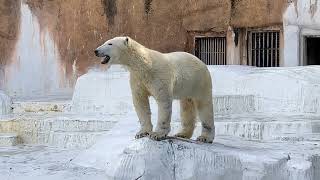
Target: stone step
<point x="73" y="124"/>
<point x="77" y="139"/>
<point x="9" y="139"/>
<point x="234" y="104"/>
<point x="30" y="106"/>
<point x="67" y="130"/>
<point x="291" y="137"/>
<point x="34" y="129"/>
<point x="272" y="130"/>
<point x="264" y="128"/>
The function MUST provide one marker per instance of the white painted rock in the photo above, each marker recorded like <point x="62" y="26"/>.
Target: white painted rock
<point x="223" y="160"/>
<point x="103" y="92"/>
<point x="236" y="89"/>
<point x="276" y="90"/>
<point x="5" y="104"/>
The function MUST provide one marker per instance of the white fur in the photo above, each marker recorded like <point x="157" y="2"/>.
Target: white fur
<point x="177" y="75"/>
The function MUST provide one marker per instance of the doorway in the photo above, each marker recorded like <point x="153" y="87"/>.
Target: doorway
<point x="312" y="51"/>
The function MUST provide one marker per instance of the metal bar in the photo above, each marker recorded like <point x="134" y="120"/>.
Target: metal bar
<point x="211" y="51"/>
<point x="267" y="48"/>
<point x="208" y="40"/>
<point x="223" y="51"/>
<point x="255" y="50"/>
<point x="258" y="46"/>
<point x="216" y="56"/>
<point x="220" y="55"/>
<point x="277" y="45"/>
<point x="260" y="50"/>
<point x="219" y="51"/>
<point x="202" y="50"/>
<point x="252" y="48"/>
<point x="199" y="48"/>
<point x="218" y="59"/>
<point x="207" y="43"/>
<point x="272" y="59"/>
<point x="214" y="51"/>
<point x="206" y="49"/>
<point x="263" y="49"/>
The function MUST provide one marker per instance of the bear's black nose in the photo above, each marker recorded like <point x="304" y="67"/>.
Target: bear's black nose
<point x="96" y="52"/>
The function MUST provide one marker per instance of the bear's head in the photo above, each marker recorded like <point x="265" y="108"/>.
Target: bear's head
<point x="113" y="50"/>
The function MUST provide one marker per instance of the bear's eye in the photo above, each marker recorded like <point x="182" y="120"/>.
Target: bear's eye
<point x="110" y="44"/>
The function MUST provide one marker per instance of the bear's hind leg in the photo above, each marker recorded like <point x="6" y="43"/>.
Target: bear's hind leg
<point x="205" y="111"/>
<point x="188" y="118"/>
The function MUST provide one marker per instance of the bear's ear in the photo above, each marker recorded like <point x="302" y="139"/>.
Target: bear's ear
<point x="126" y="41"/>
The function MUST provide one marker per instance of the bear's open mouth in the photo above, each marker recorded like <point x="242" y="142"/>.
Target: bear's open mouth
<point x="105" y="60"/>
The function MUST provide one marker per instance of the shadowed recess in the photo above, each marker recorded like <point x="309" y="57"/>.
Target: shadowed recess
<point x="147" y="6"/>
<point x="110" y="9"/>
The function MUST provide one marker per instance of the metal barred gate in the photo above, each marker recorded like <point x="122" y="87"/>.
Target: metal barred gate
<point x="211" y="50"/>
<point x="264" y="48"/>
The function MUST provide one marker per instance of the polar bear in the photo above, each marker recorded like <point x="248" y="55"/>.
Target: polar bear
<point x="165" y="76"/>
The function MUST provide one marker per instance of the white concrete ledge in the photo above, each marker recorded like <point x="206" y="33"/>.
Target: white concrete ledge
<point x="9" y="139"/>
<point x="50" y="106"/>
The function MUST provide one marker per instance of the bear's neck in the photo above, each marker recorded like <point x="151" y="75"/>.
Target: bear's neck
<point x="138" y="61"/>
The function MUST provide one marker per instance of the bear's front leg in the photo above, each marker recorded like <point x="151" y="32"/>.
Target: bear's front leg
<point x="164" y="118"/>
<point x="142" y="107"/>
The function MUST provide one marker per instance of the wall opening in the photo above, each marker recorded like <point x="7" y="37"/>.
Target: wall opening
<point x="264" y="48"/>
<point x="312" y="50"/>
<point x="211" y="50"/>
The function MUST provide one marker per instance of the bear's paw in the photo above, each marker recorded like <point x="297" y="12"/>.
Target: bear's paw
<point x="158" y="136"/>
<point x="142" y="134"/>
<point x="204" y="139"/>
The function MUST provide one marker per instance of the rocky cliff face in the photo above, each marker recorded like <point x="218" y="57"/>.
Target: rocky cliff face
<point x="78" y="27"/>
<point x="9" y="28"/>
